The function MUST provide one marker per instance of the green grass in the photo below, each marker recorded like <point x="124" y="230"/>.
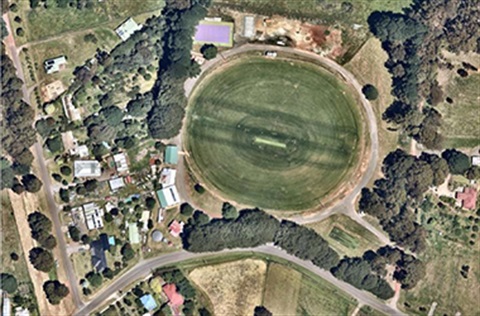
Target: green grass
<point x="345" y="235"/>
<point x="284" y="102"/>
<point x="368" y="311"/>
<point x="461" y="119"/>
<point x="344" y="238"/>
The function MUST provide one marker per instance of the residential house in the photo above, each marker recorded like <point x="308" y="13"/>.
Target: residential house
<point x="148" y="302"/>
<point x="87" y="168"/>
<point x="171" y="155"/>
<point x="121" y="162"/>
<point x="98" y="259"/>
<point x="468" y="198"/>
<point x="168" y="196"/>
<point x="93" y="215"/>
<point x="167" y="177"/>
<point x="176" y="228"/>
<point x="116" y="183"/>
<point x="55" y="64"/>
<point x="175" y="299"/>
<point x="127" y="28"/>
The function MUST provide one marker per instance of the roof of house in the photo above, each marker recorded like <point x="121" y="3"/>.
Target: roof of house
<point x="148" y="302"/>
<point x="116" y="183"/>
<point x="249" y="26"/>
<point x="167" y="177"/>
<point x="218" y="33"/>
<point x="93" y="215"/>
<point x="171" y="155"/>
<point x="81" y="151"/>
<point x="468" y="198"/>
<point x="168" y="196"/>
<point x="175" y="299"/>
<point x="133" y="234"/>
<point x="127" y="28"/>
<point x="121" y="162"/>
<point x="104" y="240"/>
<point x="55" y="64"/>
<point x="99" y="260"/>
<point x="176" y="228"/>
<point x="87" y="168"/>
<point x="476" y="160"/>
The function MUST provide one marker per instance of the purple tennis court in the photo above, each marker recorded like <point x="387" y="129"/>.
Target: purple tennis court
<point x="218" y="33"/>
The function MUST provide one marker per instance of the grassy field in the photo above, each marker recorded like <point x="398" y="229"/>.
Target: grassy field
<point x="282" y="288"/>
<point x="10" y="242"/>
<point x="368" y="67"/>
<point x="461" y="119"/>
<point x="306" y="119"/>
<point x="234" y="288"/>
<point x="345" y="235"/>
<point x="42" y="23"/>
<point x="368" y="311"/>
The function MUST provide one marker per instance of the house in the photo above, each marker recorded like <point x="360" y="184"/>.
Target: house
<point x="175" y="299"/>
<point x="93" y="216"/>
<point x="121" y="162"/>
<point x="148" y="302"/>
<point x="167" y="177"/>
<point x="171" y="155"/>
<point x="144" y="219"/>
<point x="156" y="285"/>
<point x="104" y="241"/>
<point x="214" y="32"/>
<point x="87" y="168"/>
<point x="69" y="141"/>
<point x="168" y="196"/>
<point x="176" y="228"/>
<point x="116" y="183"/>
<point x="127" y="28"/>
<point x="80" y="151"/>
<point x="7" y="305"/>
<point x="475" y="160"/>
<point x="98" y="259"/>
<point x="133" y="234"/>
<point x="52" y="90"/>
<point x="55" y="64"/>
<point x="249" y="26"/>
<point x="468" y="198"/>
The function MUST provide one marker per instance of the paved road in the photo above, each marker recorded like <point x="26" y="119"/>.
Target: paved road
<point x="45" y="177"/>
<point x="144" y="268"/>
<point x="347" y="204"/>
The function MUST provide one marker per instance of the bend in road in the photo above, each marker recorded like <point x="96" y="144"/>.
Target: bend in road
<point x="144" y="268"/>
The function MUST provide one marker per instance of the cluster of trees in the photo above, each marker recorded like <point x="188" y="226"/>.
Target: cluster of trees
<point x="406" y="179"/>
<point x="8" y="283"/>
<point x="459" y="163"/>
<point x="78" y="4"/>
<point x="176" y="65"/>
<point x="17" y="118"/>
<point x="41" y="228"/>
<point x="55" y="291"/>
<point x="412" y="40"/>
<point x="253" y="227"/>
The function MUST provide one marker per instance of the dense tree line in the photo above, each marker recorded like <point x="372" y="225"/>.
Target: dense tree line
<point x="55" y="291"/>
<point x="41" y="228"/>
<point x="406" y="179"/>
<point x="413" y="40"/>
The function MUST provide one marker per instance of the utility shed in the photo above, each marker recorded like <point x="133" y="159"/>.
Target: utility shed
<point x="168" y="196"/>
<point x="171" y="155"/>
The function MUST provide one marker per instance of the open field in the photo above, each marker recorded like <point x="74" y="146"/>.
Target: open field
<point x="10" y="242"/>
<point x="283" y="137"/>
<point x="345" y="235"/>
<point x="282" y="287"/>
<point x="42" y="23"/>
<point x="368" y="67"/>
<point x="234" y="288"/>
<point x="461" y="119"/>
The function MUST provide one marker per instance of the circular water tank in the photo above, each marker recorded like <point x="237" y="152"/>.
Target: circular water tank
<point x="157" y="236"/>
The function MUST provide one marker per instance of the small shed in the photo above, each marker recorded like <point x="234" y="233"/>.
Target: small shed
<point x="171" y="155"/>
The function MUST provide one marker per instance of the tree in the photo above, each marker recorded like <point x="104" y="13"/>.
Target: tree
<point x="108" y="217"/>
<point x="90" y="185"/>
<point x="209" y="51"/>
<point x="6" y="174"/>
<point x="229" y="211"/>
<point x="64" y="195"/>
<point x="14" y="256"/>
<point x="74" y="233"/>
<point x="65" y="170"/>
<point x="95" y="279"/>
<point x="86" y="239"/>
<point x="55" y="291"/>
<point x="108" y="273"/>
<point x="112" y="115"/>
<point x="54" y="144"/>
<point x="473" y="173"/>
<point x="34" y="3"/>
<point x="31" y="183"/>
<point x="261" y="311"/>
<point x="370" y="92"/>
<point x="127" y="252"/>
<point x="41" y="259"/>
<point x="39" y="224"/>
<point x="457" y="161"/>
<point x="8" y="283"/>
<point x="150" y="202"/>
<point x="20" y="32"/>
<point x="199" y="188"/>
<point x="186" y="209"/>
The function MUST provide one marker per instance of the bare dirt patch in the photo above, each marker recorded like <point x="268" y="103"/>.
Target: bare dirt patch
<point x="282" y="288"/>
<point x="234" y="288"/>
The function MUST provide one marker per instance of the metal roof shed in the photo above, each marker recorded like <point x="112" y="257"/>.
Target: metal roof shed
<point x="171" y="155"/>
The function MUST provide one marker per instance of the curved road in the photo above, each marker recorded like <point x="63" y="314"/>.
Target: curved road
<point x="144" y="268"/>
<point x="347" y="204"/>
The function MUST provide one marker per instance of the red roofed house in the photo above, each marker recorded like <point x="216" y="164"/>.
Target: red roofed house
<point x="175" y="299"/>
<point x="467" y="198"/>
<point x="176" y="228"/>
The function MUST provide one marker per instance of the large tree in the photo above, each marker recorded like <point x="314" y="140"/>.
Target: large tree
<point x="55" y="291"/>
<point x="41" y="259"/>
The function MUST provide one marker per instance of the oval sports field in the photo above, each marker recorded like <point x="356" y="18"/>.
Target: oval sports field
<point x="276" y="134"/>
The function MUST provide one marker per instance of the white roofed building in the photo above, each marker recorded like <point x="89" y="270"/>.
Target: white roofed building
<point x="167" y="177"/>
<point x="249" y="26"/>
<point x="121" y="162"/>
<point x="81" y="151"/>
<point x="476" y="160"/>
<point x="55" y="64"/>
<point x="116" y="183"/>
<point x="127" y="28"/>
<point x="168" y="196"/>
<point x="87" y="168"/>
<point x="93" y="216"/>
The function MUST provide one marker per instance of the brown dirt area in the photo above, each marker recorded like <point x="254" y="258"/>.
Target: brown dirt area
<point x="234" y="288"/>
<point x="282" y="288"/>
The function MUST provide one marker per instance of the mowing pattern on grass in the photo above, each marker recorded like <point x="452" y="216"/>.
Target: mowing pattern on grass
<point x="342" y="237"/>
<point x="274" y="134"/>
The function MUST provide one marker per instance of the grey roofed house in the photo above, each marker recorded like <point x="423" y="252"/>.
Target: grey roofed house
<point x="87" y="168"/>
<point x="99" y="260"/>
<point x="55" y="64"/>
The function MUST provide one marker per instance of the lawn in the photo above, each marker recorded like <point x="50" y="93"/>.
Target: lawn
<point x="345" y="235"/>
<point x="308" y="115"/>
<point x="234" y="288"/>
<point x="10" y="243"/>
<point x="42" y="23"/>
<point x="368" y="67"/>
<point x="282" y="288"/>
<point x="461" y="119"/>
